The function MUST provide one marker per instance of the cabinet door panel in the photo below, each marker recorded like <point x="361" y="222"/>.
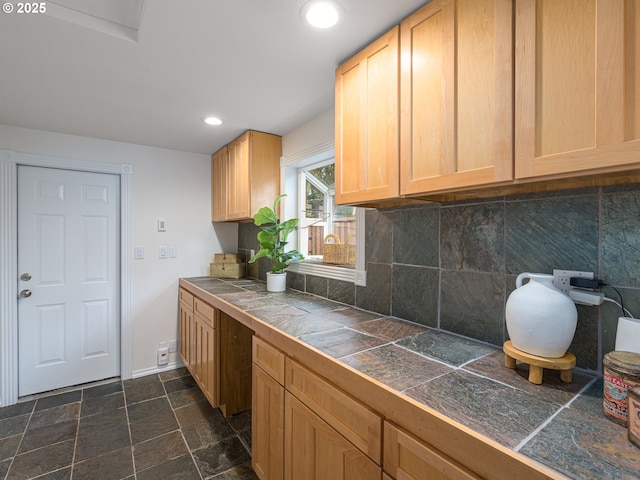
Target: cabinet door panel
<point x="367" y="149"/>
<point x="267" y="426"/>
<point x="407" y="458"/>
<point x="315" y="451"/>
<point x="219" y="185"/>
<point x="238" y="179"/>
<point x="186" y="325"/>
<point x="456" y="94"/>
<point x="577" y="66"/>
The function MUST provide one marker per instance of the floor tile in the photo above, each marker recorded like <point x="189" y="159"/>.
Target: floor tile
<point x="243" y="472"/>
<point x="185" y="397"/>
<point x="13" y="425"/>
<point x="4" y="467"/>
<point x="143" y="388"/>
<point x="38" y="437"/>
<point x="59" y="414"/>
<point x="17" y="410"/>
<point x="101" y="434"/>
<point x="41" y="461"/>
<point x="181" y="468"/>
<point x="114" y="465"/>
<point x="202" y="425"/>
<point x="9" y="447"/>
<point x="102" y="404"/>
<point x="241" y="424"/>
<point x="159" y="450"/>
<point x="150" y="419"/>
<point x="102" y="390"/>
<point x="61" y="399"/>
<point x="181" y="383"/>
<point x="221" y="456"/>
<point x="175" y="373"/>
<point x="396" y="367"/>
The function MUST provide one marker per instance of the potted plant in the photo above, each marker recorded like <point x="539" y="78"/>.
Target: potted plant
<point x="273" y="238"/>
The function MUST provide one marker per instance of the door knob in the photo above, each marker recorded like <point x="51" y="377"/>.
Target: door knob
<point x="25" y="277"/>
<point x="25" y="293"/>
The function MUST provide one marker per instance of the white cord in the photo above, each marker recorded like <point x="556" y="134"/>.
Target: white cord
<point x="607" y="299"/>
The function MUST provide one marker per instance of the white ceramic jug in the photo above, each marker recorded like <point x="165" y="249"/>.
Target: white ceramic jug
<point x="541" y="320"/>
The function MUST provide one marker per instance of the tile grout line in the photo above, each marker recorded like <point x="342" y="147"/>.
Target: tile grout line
<point x="126" y="412"/>
<point x="184" y="439"/>
<point x="529" y="437"/>
<point x="21" y="439"/>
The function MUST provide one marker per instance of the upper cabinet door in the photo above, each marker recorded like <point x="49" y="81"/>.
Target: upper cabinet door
<point x="456" y="96"/>
<point x="238" y="178"/>
<point x="219" y="185"/>
<point x="577" y="86"/>
<point x="367" y="148"/>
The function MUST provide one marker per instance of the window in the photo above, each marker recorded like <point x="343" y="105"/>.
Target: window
<point x="321" y="220"/>
<point x="330" y="236"/>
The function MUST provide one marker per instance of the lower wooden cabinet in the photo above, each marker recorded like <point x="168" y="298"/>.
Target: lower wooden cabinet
<point x="267" y="426"/>
<point x="314" y="450"/>
<point x="216" y="349"/>
<point x="408" y="458"/>
<point x="206" y="358"/>
<point x="267" y="411"/>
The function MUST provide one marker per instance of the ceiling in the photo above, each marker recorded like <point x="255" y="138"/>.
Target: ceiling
<point x="149" y="71"/>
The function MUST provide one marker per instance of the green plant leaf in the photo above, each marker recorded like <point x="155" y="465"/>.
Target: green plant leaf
<point x="264" y="216"/>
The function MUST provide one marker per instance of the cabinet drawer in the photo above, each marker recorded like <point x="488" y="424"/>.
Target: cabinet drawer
<point x="186" y="299"/>
<point x="269" y="358"/>
<point x="356" y="422"/>
<point x="203" y="310"/>
<point x="408" y="457"/>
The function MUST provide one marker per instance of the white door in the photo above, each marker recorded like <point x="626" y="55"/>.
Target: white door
<point x="68" y="263"/>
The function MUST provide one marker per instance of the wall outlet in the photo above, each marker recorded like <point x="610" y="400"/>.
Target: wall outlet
<point x="562" y="278"/>
<point x="163" y="356"/>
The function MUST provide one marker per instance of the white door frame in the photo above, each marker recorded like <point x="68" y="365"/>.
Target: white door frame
<point x="9" y="161"/>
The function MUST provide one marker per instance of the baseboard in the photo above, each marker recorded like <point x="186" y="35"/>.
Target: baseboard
<point x="150" y="371"/>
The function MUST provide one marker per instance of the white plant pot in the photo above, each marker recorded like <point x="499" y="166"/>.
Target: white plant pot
<point x="541" y="320"/>
<point x="276" y="282"/>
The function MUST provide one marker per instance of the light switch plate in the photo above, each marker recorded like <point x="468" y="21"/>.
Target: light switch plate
<point x="163" y="252"/>
<point x="162" y="225"/>
<point x="138" y="252"/>
<point x="173" y="252"/>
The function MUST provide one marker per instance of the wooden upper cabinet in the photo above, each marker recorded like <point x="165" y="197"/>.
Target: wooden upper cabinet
<point x="219" y="185"/>
<point x="367" y="114"/>
<point x="456" y="96"/>
<point x="251" y="173"/>
<point x="577" y="86"/>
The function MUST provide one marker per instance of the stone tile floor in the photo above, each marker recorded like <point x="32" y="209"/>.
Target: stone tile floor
<point x="154" y="427"/>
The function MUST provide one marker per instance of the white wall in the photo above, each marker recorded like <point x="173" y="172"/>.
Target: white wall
<point x="169" y="184"/>
<point x="316" y="132"/>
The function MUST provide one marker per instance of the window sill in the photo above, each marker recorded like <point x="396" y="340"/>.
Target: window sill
<point x="319" y="269"/>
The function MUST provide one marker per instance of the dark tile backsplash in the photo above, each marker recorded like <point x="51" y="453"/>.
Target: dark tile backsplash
<point x="452" y="266"/>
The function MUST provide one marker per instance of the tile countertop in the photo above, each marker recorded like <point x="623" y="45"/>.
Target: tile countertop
<point x="557" y="424"/>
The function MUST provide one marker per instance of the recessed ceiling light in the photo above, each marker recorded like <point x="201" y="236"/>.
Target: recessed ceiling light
<point x="212" y="121"/>
<point x="321" y="14"/>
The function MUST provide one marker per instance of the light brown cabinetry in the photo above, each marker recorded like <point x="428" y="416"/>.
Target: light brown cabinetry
<point x="249" y="179"/>
<point x="314" y="450"/>
<point x="367" y="123"/>
<point x="217" y="351"/>
<point x="219" y="162"/>
<point x="456" y="95"/>
<point x="577" y="86"/>
<point x="267" y="411"/>
<point x="409" y="458"/>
